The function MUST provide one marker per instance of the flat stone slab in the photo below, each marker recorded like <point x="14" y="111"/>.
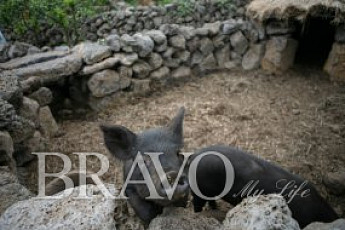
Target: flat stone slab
<point x="63" y="66"/>
<point x="32" y="59"/>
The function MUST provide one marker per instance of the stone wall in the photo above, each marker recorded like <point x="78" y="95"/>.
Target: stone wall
<point x="129" y="20"/>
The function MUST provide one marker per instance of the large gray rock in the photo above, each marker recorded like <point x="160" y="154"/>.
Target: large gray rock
<point x="336" y="225"/>
<point x="182" y="219"/>
<point x="96" y="212"/>
<point x="223" y="56"/>
<point x="127" y="43"/>
<point x="10" y="89"/>
<point x="107" y="82"/>
<point x="92" y="52"/>
<point x="187" y="32"/>
<point x="21" y="129"/>
<point x="126" y="59"/>
<point x="181" y="72"/>
<point x="160" y="73"/>
<point x="169" y="29"/>
<point x="144" y="44"/>
<point x="155" y="60"/>
<point x="48" y="125"/>
<point x="30" y="84"/>
<point x="178" y="41"/>
<point x="43" y="96"/>
<point x="114" y="42"/>
<point x="213" y="28"/>
<point x="230" y="27"/>
<point x="58" y="67"/>
<point x="252" y="59"/>
<point x="279" y="55"/>
<point x="29" y="110"/>
<point x="335" y="182"/>
<point x="206" y="46"/>
<point x="239" y="42"/>
<point x="18" y="49"/>
<point x="32" y="59"/>
<point x="208" y="63"/>
<point x="141" y="69"/>
<point x="11" y="193"/>
<point x="157" y="36"/>
<point x="269" y="212"/>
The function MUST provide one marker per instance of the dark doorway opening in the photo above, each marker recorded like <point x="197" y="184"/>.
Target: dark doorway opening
<point x="315" y="38"/>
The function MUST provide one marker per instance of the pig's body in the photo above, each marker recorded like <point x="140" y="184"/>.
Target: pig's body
<point x="211" y="181"/>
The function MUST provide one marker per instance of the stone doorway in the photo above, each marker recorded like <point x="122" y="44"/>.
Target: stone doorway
<point x="316" y="37"/>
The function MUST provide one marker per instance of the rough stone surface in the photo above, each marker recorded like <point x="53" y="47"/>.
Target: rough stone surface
<point x="141" y="70"/>
<point x="239" y="42"/>
<point x="182" y="219"/>
<point x="335" y="65"/>
<point x="21" y="129"/>
<point x="223" y="56"/>
<point x="6" y="149"/>
<point x="261" y="213"/>
<point x="335" y="182"/>
<point x="107" y="82"/>
<point x="48" y="125"/>
<point x="181" y="72"/>
<point x="7" y="114"/>
<point x="279" y="28"/>
<point x="178" y="41"/>
<point x="10" y="194"/>
<point x="97" y="212"/>
<point x="10" y="89"/>
<point x="32" y="59"/>
<point x="114" y="42"/>
<point x="92" y="52"/>
<point x="206" y="46"/>
<point x="252" y="59"/>
<point x="144" y="45"/>
<point x="280" y="54"/>
<point x="213" y="28"/>
<point x="29" y="110"/>
<point x="18" y="49"/>
<point x="336" y="225"/>
<point x="118" y="58"/>
<point x="160" y="73"/>
<point x="340" y="34"/>
<point x="229" y="27"/>
<point x="157" y="36"/>
<point x="141" y="87"/>
<point x="155" y="60"/>
<point x="64" y="66"/>
<point x="43" y="96"/>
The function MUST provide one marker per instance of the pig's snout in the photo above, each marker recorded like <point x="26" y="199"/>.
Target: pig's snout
<point x="182" y="188"/>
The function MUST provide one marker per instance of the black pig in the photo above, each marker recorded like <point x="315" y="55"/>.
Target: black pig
<point x="210" y="177"/>
<point x="125" y="145"/>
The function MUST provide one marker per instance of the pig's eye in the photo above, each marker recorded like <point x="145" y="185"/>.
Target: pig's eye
<point x="170" y="180"/>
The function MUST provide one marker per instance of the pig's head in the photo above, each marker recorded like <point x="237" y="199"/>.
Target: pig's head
<point x="125" y="145"/>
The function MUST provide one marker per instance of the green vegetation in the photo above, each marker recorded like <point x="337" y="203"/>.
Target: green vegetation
<point x="30" y="15"/>
<point x="227" y="4"/>
<point x="185" y="7"/>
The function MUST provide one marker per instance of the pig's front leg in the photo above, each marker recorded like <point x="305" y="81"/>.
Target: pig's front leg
<point x="146" y="210"/>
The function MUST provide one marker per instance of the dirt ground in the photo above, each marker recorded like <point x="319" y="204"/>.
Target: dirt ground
<point x="296" y="120"/>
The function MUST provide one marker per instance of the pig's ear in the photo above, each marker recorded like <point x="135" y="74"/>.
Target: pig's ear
<point x="119" y="140"/>
<point x="176" y="125"/>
